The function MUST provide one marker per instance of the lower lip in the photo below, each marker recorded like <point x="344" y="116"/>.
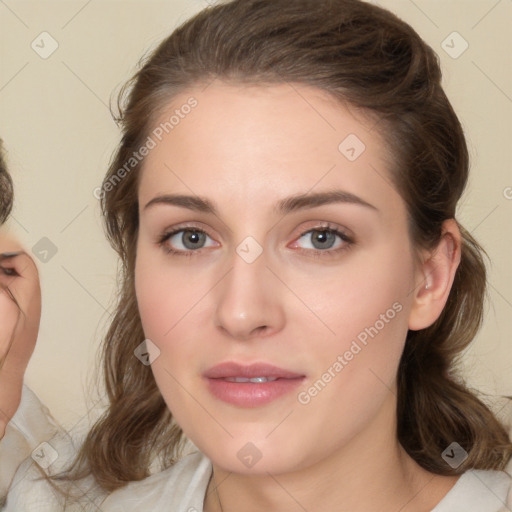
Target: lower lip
<point x="252" y="394"/>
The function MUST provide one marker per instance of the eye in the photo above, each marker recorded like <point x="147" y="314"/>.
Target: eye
<point x="8" y="271"/>
<point x="184" y="241"/>
<point x="323" y="239"/>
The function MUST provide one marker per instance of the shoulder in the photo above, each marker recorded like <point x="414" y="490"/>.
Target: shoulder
<point x="180" y="487"/>
<point x="33" y="420"/>
<point x="30" y="488"/>
<point x="479" y="491"/>
<point x="26" y="443"/>
<point x="43" y="448"/>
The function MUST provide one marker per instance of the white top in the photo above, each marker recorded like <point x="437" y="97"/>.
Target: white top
<point x="34" y="434"/>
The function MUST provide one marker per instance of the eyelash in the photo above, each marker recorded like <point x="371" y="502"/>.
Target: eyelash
<point x="316" y="253"/>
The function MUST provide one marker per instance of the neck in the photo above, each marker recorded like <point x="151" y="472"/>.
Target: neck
<point x="371" y="472"/>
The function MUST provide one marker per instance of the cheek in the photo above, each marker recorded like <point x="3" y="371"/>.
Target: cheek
<point x="371" y="292"/>
<point x="355" y="369"/>
<point x="366" y="307"/>
<point x="166" y="295"/>
<point x="171" y="302"/>
<point x="152" y="302"/>
<point x="166" y="306"/>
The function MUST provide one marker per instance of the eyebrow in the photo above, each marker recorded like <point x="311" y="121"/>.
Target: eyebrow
<point x="285" y="206"/>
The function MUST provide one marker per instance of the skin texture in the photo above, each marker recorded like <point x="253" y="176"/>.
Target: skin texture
<point x="245" y="149"/>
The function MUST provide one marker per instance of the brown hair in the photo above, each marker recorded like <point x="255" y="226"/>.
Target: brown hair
<point x="6" y="188"/>
<point x="360" y="54"/>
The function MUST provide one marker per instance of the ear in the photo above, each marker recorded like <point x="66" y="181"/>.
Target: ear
<point x="434" y="278"/>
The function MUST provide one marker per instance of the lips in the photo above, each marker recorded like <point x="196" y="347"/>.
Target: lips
<point x="231" y="369"/>
<point x="250" y="385"/>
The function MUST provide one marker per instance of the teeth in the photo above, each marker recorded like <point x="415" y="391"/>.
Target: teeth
<point x="256" y="380"/>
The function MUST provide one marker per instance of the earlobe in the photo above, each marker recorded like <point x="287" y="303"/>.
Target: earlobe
<point x="434" y="278"/>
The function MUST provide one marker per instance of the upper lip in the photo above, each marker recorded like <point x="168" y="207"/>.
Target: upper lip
<point x="232" y="369"/>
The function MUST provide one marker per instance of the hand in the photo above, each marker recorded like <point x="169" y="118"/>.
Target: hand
<point x="20" y="313"/>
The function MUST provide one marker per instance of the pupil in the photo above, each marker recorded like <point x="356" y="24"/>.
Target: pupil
<point x="323" y="239"/>
<point x="191" y="239"/>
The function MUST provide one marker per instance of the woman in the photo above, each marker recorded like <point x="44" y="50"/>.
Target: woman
<point x="20" y="306"/>
<point x="20" y="311"/>
<point x="295" y="287"/>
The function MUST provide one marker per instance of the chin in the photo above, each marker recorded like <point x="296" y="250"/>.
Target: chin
<point x="258" y="457"/>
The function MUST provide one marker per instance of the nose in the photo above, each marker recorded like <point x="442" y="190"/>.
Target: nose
<point x="248" y="301"/>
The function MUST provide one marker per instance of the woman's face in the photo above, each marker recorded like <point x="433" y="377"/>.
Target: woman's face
<point x="282" y="314"/>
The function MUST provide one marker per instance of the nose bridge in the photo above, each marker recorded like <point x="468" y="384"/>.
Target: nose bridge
<point x="249" y="301"/>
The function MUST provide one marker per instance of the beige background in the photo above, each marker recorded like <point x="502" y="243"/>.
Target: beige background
<point x="55" y="122"/>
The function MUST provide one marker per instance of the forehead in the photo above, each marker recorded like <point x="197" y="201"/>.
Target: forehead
<point x="251" y="142"/>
